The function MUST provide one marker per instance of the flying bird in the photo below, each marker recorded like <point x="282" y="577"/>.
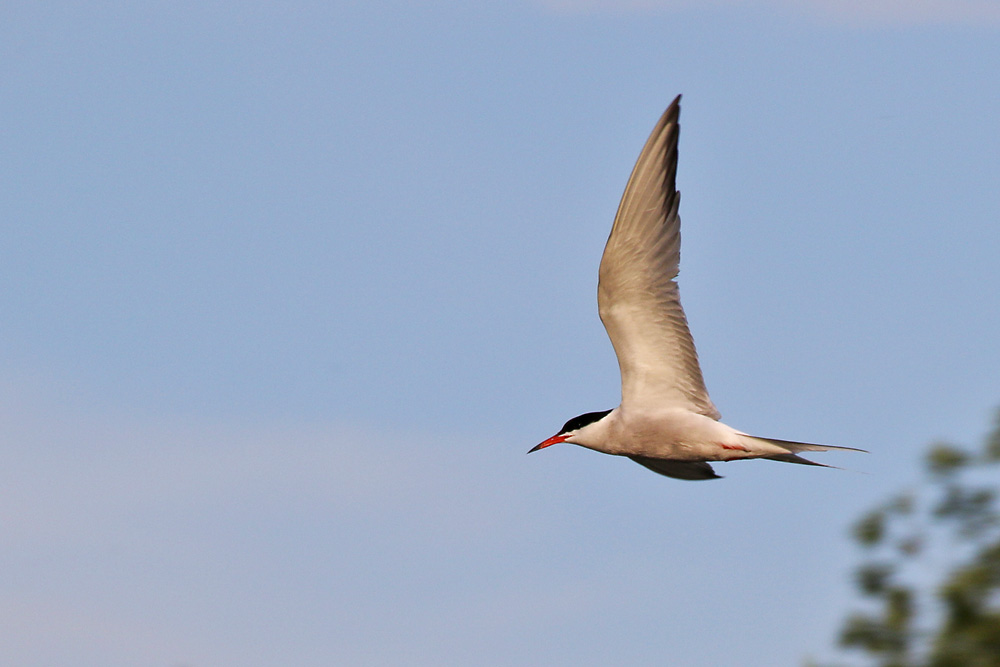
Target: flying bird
<point x="666" y="421"/>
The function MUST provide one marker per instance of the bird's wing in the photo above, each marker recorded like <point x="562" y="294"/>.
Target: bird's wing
<point x="692" y="470"/>
<point x="637" y="296"/>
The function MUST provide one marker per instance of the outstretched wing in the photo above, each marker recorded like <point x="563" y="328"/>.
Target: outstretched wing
<point x="692" y="470"/>
<point x="637" y="295"/>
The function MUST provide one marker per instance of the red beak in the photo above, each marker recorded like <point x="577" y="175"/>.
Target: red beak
<point x="554" y="440"/>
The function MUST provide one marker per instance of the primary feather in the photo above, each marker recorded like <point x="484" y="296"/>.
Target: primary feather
<point x="637" y="296"/>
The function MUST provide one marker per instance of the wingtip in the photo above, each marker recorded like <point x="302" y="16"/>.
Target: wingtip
<point x="671" y="116"/>
<point x="675" y="105"/>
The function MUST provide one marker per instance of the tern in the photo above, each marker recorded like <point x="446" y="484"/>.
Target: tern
<point x="666" y="421"/>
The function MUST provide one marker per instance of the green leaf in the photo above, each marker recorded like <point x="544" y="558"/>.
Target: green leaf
<point x="873" y="578"/>
<point x="971" y="510"/>
<point x="991" y="448"/>
<point x="944" y="459"/>
<point x="870" y="530"/>
<point x="902" y="504"/>
<point x="899" y="608"/>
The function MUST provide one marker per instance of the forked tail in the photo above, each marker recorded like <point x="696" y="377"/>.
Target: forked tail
<point x="791" y="450"/>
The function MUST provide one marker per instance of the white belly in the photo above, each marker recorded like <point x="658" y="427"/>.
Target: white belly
<point x="673" y="433"/>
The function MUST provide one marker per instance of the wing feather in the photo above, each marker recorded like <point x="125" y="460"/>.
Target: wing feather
<point x="692" y="470"/>
<point x="637" y="295"/>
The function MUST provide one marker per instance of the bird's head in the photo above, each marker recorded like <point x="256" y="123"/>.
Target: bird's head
<point x="570" y="429"/>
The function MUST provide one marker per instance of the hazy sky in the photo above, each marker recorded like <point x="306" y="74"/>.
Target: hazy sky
<point x="289" y="289"/>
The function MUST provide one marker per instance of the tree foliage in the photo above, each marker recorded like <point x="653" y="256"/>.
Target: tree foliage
<point x="931" y="567"/>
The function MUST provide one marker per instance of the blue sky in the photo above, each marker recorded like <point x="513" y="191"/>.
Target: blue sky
<point x="288" y="290"/>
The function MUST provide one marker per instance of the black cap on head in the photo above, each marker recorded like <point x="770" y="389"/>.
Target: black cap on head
<point x="581" y="421"/>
